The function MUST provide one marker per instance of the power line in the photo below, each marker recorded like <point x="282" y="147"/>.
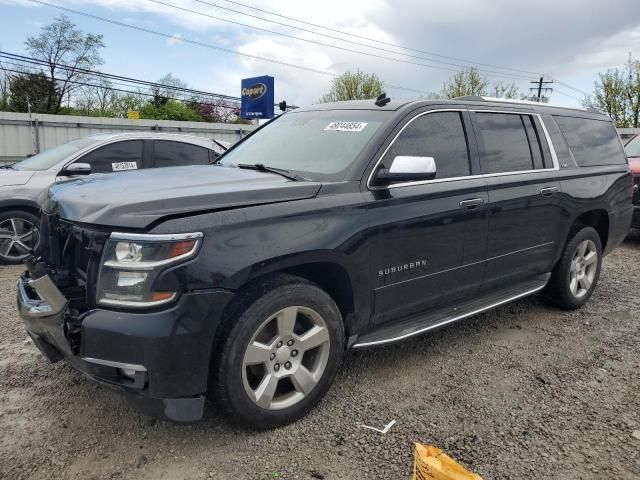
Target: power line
<point x="353" y="35"/>
<point x="359" y="52"/>
<point x="425" y="52"/>
<point x="41" y="62"/>
<point x="555" y="90"/>
<point x="540" y="88"/>
<point x="203" y="44"/>
<point x="486" y="72"/>
<point x="85" y="84"/>
<point x="570" y="87"/>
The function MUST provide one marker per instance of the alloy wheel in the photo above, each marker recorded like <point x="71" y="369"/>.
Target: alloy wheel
<point x="18" y="237"/>
<point x="286" y="358"/>
<point x="584" y="266"/>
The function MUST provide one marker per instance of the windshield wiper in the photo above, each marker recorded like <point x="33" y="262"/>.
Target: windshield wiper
<point x="8" y="165"/>
<point x="261" y="167"/>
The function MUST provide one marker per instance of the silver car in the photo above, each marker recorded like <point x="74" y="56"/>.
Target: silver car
<point x="22" y="183"/>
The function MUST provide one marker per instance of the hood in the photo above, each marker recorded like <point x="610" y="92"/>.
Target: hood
<point x="135" y="199"/>
<point x="9" y="176"/>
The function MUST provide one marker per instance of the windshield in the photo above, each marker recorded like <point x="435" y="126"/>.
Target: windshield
<point x="319" y="145"/>
<point x="51" y="157"/>
<point x="632" y="149"/>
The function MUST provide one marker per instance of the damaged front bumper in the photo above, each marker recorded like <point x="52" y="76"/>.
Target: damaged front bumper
<point x="159" y="360"/>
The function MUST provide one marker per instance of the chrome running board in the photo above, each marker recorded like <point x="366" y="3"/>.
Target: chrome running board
<point x="396" y="331"/>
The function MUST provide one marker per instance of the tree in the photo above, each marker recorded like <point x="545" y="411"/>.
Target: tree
<point x="97" y="99"/>
<point x="66" y="51"/>
<point x="467" y="81"/>
<point x="617" y="93"/>
<point x="5" y="91"/>
<point x="29" y="89"/>
<point x="505" y="90"/>
<point x="162" y="94"/>
<point x="354" y="86"/>
<point x="217" y="110"/>
<point x="123" y="104"/>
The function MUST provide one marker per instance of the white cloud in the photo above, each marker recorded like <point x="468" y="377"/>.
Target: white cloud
<point x="568" y="39"/>
<point x="175" y="39"/>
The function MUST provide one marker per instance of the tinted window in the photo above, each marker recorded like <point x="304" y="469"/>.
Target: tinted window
<point x="503" y="143"/>
<point x="633" y="147"/>
<point x="115" y="157"/>
<point x="53" y="156"/>
<point x="171" y="154"/>
<point x="439" y="135"/>
<point x="592" y="142"/>
<point x="534" y="141"/>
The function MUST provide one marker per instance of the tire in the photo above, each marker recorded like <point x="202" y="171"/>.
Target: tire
<point x="576" y="275"/>
<point x="282" y="318"/>
<point x="19" y="234"/>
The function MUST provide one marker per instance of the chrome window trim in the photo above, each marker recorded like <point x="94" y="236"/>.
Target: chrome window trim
<point x="554" y="157"/>
<point x="155" y="237"/>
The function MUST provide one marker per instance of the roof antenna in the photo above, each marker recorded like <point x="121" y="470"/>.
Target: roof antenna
<point x="382" y="100"/>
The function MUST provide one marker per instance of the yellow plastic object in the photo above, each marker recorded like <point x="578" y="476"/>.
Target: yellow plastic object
<point x="432" y="464"/>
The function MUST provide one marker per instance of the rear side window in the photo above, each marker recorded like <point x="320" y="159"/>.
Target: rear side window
<point x="173" y="154"/>
<point x="504" y="143"/>
<point x="592" y="142"/>
<point x="439" y="135"/>
<point x="115" y="157"/>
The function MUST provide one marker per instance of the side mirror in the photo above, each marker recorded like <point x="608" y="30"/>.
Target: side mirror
<point x="75" y="169"/>
<point x="407" y="169"/>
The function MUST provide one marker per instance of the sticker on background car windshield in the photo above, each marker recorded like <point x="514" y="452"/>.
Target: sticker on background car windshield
<point x="118" y="166"/>
<point x="346" y="126"/>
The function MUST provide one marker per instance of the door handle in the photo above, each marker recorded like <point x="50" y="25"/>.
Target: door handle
<point x="471" y="203"/>
<point x="547" y="192"/>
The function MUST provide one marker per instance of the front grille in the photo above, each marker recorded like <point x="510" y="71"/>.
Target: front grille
<point x="72" y="255"/>
<point x="636" y="192"/>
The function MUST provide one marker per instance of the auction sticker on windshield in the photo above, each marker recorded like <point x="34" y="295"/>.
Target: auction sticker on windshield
<point x="346" y="126"/>
<point x="119" y="166"/>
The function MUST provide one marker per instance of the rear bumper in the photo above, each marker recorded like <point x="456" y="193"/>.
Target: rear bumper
<point x="159" y="360"/>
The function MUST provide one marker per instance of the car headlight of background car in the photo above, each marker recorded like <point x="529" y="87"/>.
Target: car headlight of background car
<point x="131" y="262"/>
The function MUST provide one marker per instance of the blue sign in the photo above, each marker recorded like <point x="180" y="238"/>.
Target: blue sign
<point x="256" y="97"/>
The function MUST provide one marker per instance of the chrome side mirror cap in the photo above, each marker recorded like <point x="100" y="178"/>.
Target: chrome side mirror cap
<point x="405" y="168"/>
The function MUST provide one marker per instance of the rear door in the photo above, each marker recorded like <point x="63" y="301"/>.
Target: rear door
<point x="524" y="208"/>
<point x="115" y="157"/>
<point x="429" y="237"/>
<point x="168" y="153"/>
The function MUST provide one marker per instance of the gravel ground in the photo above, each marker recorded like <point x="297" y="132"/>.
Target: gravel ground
<point x="522" y="392"/>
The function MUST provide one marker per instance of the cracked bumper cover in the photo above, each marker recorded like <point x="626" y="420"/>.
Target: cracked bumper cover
<point x="169" y="350"/>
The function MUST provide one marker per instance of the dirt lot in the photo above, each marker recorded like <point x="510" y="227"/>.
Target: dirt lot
<point x="523" y="392"/>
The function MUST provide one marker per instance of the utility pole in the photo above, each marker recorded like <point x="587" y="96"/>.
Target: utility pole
<point x="33" y="133"/>
<point x="539" y="89"/>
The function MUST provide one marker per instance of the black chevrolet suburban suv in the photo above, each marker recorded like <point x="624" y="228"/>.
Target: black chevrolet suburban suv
<point x="334" y="227"/>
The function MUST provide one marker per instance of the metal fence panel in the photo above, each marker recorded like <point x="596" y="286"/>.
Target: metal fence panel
<point x="20" y="136"/>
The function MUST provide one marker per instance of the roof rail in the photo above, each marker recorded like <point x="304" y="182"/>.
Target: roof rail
<point x="478" y="98"/>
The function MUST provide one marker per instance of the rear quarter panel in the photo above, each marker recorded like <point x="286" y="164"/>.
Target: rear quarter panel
<point x="607" y="188"/>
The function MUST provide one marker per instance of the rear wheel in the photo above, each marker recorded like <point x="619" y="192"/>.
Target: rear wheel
<point x="19" y="236"/>
<point x="576" y="274"/>
<point x="281" y="354"/>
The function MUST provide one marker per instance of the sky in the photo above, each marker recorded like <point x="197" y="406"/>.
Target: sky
<point x="417" y="44"/>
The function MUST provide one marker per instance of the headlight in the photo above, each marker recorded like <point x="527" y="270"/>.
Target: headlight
<point x="131" y="262"/>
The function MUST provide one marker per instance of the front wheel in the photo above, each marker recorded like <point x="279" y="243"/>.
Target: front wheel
<point x="576" y="274"/>
<point x="281" y="354"/>
<point x="19" y="236"/>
